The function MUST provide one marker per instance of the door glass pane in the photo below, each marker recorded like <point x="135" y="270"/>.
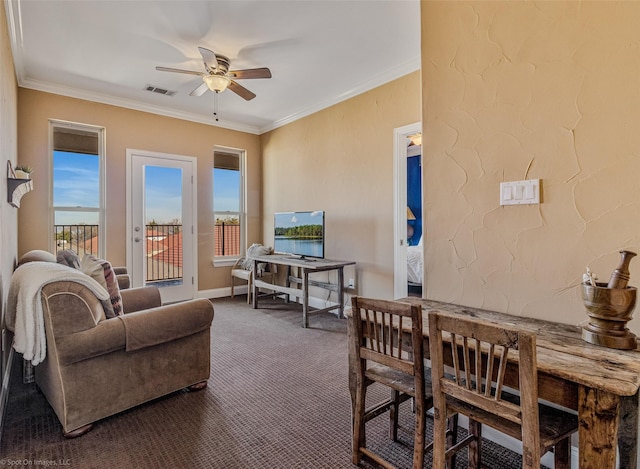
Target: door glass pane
<point x="163" y="220"/>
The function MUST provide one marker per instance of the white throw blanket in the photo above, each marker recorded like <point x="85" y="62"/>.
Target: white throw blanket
<point x="24" y="305"/>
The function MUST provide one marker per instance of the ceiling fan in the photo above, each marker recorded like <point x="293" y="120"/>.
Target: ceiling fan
<point x="217" y="77"/>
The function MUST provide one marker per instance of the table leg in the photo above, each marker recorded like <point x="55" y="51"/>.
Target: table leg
<point x="628" y="431"/>
<point x="253" y="286"/>
<point x="287" y="297"/>
<point x="341" y="292"/>
<point x="598" y="415"/>
<point x="305" y="297"/>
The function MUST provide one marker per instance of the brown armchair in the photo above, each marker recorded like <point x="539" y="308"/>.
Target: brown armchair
<point x="96" y="367"/>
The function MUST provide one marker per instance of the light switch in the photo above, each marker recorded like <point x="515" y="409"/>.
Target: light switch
<point x="528" y="192"/>
<point x="520" y="192"/>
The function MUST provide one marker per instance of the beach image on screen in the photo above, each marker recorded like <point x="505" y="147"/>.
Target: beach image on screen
<point x="300" y="233"/>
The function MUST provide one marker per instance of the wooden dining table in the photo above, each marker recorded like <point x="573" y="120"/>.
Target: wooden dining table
<point x="601" y="384"/>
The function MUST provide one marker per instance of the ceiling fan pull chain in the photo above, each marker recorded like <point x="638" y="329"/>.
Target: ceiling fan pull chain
<point x="215" y="105"/>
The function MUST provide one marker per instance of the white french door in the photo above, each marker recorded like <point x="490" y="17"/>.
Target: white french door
<point x="161" y="208"/>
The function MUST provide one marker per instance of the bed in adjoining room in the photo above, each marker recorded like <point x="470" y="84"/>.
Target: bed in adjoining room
<point x="415" y="268"/>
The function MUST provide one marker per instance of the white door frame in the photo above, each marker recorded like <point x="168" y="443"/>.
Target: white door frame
<point x="400" y="145"/>
<point x="190" y="279"/>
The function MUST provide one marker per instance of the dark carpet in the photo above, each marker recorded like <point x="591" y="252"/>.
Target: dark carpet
<point x="277" y="398"/>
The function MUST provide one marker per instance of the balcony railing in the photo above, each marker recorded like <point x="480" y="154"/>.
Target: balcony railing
<point x="227" y="239"/>
<point x="163" y="246"/>
<point x="164" y="253"/>
<point x="83" y="239"/>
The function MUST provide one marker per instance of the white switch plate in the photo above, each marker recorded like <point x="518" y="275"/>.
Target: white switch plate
<point x="520" y="192"/>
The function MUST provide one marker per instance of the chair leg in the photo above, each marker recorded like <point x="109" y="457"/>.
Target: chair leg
<point x="249" y="290"/>
<point x="452" y="439"/>
<point x="475" y="446"/>
<point x="562" y="454"/>
<point x="393" y="415"/>
<point x="78" y="431"/>
<point x="439" y="436"/>
<point x="233" y="282"/>
<point x="358" y="440"/>
<point x="418" y="443"/>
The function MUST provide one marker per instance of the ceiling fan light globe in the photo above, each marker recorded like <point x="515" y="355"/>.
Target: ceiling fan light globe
<point x="216" y="83"/>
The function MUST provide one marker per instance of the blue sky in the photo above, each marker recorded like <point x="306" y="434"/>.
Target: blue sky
<point x="163" y="194"/>
<point x="288" y="219"/>
<point x="225" y="190"/>
<point x="76" y="185"/>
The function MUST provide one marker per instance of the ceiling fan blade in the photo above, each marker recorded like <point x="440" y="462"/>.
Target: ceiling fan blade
<point x="241" y="91"/>
<point x="210" y="60"/>
<point x="250" y="73"/>
<point x="200" y="90"/>
<point x="177" y="70"/>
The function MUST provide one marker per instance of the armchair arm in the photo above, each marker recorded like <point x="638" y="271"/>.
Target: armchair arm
<point x="136" y="299"/>
<point x="166" y="323"/>
<point x="136" y="330"/>
<point x="122" y="276"/>
<point x="107" y="336"/>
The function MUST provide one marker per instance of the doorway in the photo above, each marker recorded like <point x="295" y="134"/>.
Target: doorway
<point x="408" y="246"/>
<point x="161" y="208"/>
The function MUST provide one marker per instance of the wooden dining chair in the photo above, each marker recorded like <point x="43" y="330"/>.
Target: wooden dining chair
<point x="485" y="347"/>
<point x="384" y="356"/>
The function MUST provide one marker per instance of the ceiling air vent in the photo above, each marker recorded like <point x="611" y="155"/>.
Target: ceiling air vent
<point x="155" y="89"/>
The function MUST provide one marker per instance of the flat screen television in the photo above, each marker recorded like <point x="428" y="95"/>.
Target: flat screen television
<point x="299" y="233"/>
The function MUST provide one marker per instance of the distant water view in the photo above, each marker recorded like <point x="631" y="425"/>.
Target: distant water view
<point x="303" y="247"/>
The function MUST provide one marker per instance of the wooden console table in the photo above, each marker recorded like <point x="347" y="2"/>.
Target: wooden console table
<point x="600" y="383"/>
<point x="306" y="266"/>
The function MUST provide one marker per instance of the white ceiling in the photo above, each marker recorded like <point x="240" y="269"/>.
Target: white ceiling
<point x="320" y="52"/>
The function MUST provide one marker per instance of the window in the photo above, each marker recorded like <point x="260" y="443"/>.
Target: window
<point x="77" y="156"/>
<point x="228" y="203"/>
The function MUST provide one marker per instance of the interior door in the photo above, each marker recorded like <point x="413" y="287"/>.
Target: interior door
<point x="161" y="207"/>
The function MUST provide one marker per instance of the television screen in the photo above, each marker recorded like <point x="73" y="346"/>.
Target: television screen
<point x="299" y="233"/>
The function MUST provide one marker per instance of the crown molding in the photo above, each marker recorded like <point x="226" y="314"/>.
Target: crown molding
<point x="387" y="76"/>
<point x="14" y="20"/>
<point x="135" y="105"/>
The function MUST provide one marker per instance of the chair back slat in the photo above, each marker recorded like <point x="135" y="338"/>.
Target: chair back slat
<point x="379" y="332"/>
<point x="502" y="368"/>
<point x="466" y="362"/>
<point x="489" y="375"/>
<point x="485" y="349"/>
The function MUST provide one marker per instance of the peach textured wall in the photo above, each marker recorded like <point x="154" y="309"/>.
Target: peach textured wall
<point x="126" y="128"/>
<point x="341" y="160"/>
<point x="523" y="90"/>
